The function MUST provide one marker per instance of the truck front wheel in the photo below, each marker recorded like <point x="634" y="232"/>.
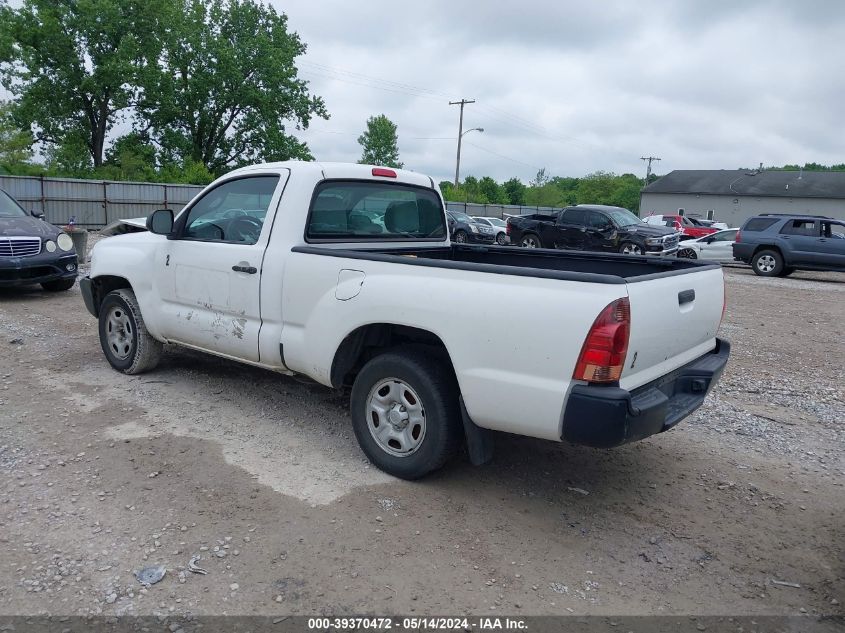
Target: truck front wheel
<point x="405" y="413"/>
<point x="123" y="336"/>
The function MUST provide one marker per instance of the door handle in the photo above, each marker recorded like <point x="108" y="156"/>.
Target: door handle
<point x="249" y="270"/>
<point x="686" y="296"/>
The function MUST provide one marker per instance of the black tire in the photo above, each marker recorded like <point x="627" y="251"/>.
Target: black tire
<point x="531" y="240"/>
<point x="767" y="263"/>
<point x="137" y="351"/>
<point x="502" y="239"/>
<point x="687" y="253"/>
<point x="630" y="248"/>
<point x="461" y="237"/>
<point x="58" y="285"/>
<point x="437" y="390"/>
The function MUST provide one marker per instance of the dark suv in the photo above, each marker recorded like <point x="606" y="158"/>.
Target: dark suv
<point x="777" y="245"/>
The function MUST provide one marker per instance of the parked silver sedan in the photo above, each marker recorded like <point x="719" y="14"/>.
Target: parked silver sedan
<point x="716" y="247"/>
<point x="498" y="225"/>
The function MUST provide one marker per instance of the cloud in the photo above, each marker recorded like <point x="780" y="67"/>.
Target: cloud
<point x="578" y="88"/>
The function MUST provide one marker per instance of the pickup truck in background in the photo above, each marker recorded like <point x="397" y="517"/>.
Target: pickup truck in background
<point x="345" y="273"/>
<point x="595" y="228"/>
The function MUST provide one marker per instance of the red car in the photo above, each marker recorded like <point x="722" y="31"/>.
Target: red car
<point x="682" y="224"/>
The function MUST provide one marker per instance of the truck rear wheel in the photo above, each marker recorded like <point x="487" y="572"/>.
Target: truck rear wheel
<point x="123" y="336"/>
<point x="405" y="413"/>
<point x="529" y="240"/>
<point x="767" y="263"/>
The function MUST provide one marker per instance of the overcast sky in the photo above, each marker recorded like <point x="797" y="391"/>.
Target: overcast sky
<point x="575" y="87"/>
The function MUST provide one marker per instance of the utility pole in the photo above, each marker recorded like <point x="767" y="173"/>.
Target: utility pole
<point x="461" y="103"/>
<point x="648" y="169"/>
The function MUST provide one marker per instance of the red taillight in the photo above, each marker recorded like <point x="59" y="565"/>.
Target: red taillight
<point x="385" y="173"/>
<point x="737" y="237"/>
<point x="603" y="354"/>
<point x="507" y="228"/>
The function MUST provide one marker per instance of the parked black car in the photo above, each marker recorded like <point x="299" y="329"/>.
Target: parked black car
<point x="777" y="245"/>
<point x="33" y="251"/>
<point x="593" y="228"/>
<point x="463" y="229"/>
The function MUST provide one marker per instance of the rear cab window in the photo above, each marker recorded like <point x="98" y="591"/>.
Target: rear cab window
<point x="352" y="210"/>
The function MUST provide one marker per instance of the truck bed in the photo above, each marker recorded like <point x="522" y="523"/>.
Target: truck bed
<point x="543" y="263"/>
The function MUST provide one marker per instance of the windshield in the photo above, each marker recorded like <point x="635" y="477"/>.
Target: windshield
<point x="9" y="208"/>
<point x="496" y="222"/>
<point x="623" y="217"/>
<point x="461" y="217"/>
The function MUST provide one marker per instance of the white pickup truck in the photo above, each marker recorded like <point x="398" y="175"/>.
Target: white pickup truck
<point x="345" y="273"/>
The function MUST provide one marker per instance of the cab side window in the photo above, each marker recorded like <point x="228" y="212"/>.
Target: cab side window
<point x="597" y="220"/>
<point x="577" y="217"/>
<point x="233" y="212"/>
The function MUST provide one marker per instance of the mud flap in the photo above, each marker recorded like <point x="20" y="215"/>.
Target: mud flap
<point x="479" y="441"/>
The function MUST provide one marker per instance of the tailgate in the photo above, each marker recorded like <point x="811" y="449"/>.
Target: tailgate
<point x="674" y="320"/>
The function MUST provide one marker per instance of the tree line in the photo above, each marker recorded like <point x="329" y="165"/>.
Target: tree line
<point x="550" y="191"/>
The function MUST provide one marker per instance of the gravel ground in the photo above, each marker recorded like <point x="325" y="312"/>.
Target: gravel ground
<point x="259" y="475"/>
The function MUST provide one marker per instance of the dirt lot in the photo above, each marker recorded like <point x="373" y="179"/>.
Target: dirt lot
<point x="102" y="474"/>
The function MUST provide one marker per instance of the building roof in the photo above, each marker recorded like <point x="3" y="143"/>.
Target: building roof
<point x="742" y="182"/>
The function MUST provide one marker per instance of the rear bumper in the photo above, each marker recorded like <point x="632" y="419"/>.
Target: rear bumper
<point x="36" y="269"/>
<point x="604" y="417"/>
<point x="743" y="252"/>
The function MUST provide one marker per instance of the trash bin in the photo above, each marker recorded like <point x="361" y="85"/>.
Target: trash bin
<point x="80" y="242"/>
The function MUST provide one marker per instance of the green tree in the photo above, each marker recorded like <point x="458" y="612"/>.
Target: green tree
<point x="131" y="157"/>
<point x="15" y="143"/>
<point x="514" y="191"/>
<point x="70" y="158"/>
<point x="446" y="189"/>
<point x="71" y="65"/>
<point x="540" y="179"/>
<point x="380" y="143"/>
<point x="492" y="191"/>
<point x="225" y="89"/>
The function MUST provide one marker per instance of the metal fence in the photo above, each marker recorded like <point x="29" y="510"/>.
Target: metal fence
<point x="94" y="203"/>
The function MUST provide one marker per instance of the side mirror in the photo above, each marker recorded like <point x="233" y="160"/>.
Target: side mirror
<point x="160" y="222"/>
<point x="37" y="214"/>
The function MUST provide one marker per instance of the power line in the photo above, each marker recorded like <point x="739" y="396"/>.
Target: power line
<point x="513" y="160"/>
<point x="493" y="113"/>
